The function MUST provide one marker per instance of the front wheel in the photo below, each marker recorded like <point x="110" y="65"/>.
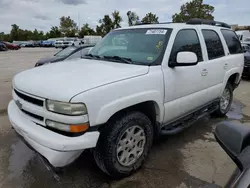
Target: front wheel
<point x="225" y="101"/>
<point x="124" y="144"/>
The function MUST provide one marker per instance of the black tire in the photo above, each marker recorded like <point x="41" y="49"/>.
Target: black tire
<point x="105" y="153"/>
<point x="222" y="112"/>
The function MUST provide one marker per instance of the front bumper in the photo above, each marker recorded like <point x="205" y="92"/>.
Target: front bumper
<point x="59" y="150"/>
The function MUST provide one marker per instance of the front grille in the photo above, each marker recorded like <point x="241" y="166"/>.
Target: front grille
<point x="33" y="115"/>
<point x="29" y="99"/>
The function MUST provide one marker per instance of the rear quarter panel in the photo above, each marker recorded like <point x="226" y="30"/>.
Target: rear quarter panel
<point x="235" y="64"/>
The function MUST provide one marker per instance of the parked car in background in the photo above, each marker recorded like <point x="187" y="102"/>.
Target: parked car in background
<point x="3" y="47"/>
<point x="30" y="44"/>
<point x="244" y="35"/>
<point x="59" y="43"/>
<point x="246" y="70"/>
<point x="247" y="41"/>
<point x="72" y="52"/>
<point x="48" y="43"/>
<point x="89" y="39"/>
<point x="71" y="42"/>
<point x="36" y="43"/>
<point x="11" y="46"/>
<point x="18" y="42"/>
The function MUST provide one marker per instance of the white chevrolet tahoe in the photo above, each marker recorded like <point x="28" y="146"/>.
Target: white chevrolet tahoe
<point x="136" y="84"/>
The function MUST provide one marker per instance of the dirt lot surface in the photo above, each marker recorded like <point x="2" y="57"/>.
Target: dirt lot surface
<point x="190" y="159"/>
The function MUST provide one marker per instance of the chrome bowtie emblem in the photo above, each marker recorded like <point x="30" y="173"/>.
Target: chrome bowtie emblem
<point x="19" y="104"/>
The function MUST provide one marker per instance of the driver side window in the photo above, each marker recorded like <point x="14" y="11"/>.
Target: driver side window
<point x="186" y="40"/>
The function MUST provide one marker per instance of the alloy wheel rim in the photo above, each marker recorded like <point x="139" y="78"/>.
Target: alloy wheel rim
<point x="131" y="145"/>
<point x="225" y="99"/>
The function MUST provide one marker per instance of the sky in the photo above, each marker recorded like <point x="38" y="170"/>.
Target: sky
<point x="43" y="14"/>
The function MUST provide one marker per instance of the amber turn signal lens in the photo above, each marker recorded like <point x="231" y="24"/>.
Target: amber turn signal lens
<point x="79" y="128"/>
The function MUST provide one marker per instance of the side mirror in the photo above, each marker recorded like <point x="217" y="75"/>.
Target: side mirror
<point x="234" y="138"/>
<point x="185" y="59"/>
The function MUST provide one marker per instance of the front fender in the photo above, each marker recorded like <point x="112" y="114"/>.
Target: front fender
<point x="103" y="102"/>
<point x="117" y="105"/>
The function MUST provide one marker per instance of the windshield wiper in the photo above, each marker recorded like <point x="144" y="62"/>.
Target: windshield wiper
<point x="121" y="59"/>
<point x="91" y="55"/>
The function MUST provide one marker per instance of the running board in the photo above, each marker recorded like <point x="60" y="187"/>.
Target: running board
<point x="187" y="121"/>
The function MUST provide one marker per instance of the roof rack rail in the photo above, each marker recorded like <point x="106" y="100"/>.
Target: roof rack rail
<point x="143" y="23"/>
<point x="198" y="21"/>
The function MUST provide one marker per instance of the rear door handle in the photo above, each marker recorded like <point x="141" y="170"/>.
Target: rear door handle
<point x="204" y="72"/>
<point x="225" y="66"/>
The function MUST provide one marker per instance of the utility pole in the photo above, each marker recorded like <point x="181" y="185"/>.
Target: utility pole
<point x="78" y="23"/>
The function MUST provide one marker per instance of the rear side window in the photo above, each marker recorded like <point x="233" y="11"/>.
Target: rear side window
<point x="186" y="40"/>
<point x="213" y="43"/>
<point x="232" y="40"/>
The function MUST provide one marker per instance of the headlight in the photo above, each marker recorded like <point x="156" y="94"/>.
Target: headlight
<point x="73" y="109"/>
<point x="67" y="128"/>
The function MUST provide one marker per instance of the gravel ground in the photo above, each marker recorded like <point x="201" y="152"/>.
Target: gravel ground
<point x="190" y="159"/>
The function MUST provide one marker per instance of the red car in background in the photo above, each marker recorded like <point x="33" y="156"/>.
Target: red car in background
<point x="11" y="46"/>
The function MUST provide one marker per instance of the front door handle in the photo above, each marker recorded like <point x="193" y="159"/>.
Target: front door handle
<point x="204" y="72"/>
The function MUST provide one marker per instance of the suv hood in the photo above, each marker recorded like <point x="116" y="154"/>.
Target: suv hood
<point x="62" y="81"/>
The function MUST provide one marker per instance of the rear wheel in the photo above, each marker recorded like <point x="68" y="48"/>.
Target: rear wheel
<point x="124" y="144"/>
<point x="225" y="101"/>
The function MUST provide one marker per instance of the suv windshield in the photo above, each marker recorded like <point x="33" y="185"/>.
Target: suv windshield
<point x="65" y="52"/>
<point x="143" y="46"/>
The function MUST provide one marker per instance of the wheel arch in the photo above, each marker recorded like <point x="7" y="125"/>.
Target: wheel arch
<point x="234" y="79"/>
<point x="150" y="108"/>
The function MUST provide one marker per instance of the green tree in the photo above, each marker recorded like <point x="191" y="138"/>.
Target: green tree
<point x="99" y="30"/>
<point x="132" y="18"/>
<point x="2" y="34"/>
<point x="14" y="33"/>
<point x="150" y="18"/>
<point x="106" y="25"/>
<point x="41" y="35"/>
<point x="117" y="19"/>
<point x="68" y="27"/>
<point x="86" y="30"/>
<point x="194" y="9"/>
<point x="54" y="32"/>
<point x="4" y="37"/>
<point x="35" y="35"/>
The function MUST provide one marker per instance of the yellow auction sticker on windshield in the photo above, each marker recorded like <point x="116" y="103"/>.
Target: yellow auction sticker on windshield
<point x="150" y="58"/>
<point x="156" y="32"/>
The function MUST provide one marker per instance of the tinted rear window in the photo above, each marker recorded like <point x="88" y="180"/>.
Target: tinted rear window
<point x="232" y="40"/>
<point x="213" y="44"/>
